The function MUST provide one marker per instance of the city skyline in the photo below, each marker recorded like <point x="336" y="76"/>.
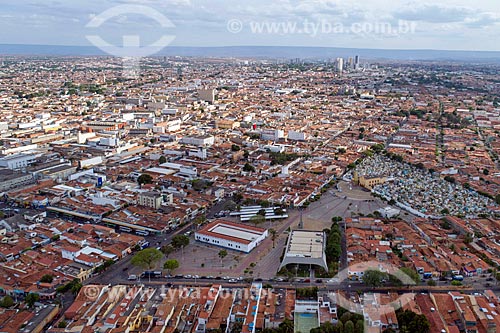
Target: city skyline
<point x="450" y="25"/>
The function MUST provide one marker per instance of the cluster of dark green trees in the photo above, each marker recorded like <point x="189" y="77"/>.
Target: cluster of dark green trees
<point x="285" y="327"/>
<point x="333" y="248"/>
<point x="348" y="323"/>
<point x="282" y="158"/>
<point x="74" y="286"/>
<point x="410" y="322"/>
<point x="376" y="278"/>
<point x="307" y="293"/>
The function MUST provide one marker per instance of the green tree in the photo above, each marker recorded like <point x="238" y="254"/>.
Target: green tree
<point x="237" y="327"/>
<point x="62" y="324"/>
<point x="274" y="234"/>
<point x="349" y="327"/>
<point x="171" y="265"/>
<point x="76" y="286"/>
<point x="235" y="147"/>
<point x="31" y="299"/>
<point x="248" y="168"/>
<point x="162" y="160"/>
<point x="278" y="211"/>
<point x="145" y="179"/>
<point x="264" y="203"/>
<point x="410" y="322"/>
<point x="345" y="317"/>
<point x="420" y="324"/>
<point x="167" y="249"/>
<point x="257" y="219"/>
<point x="450" y="179"/>
<point x="199" y="184"/>
<point x="180" y="241"/>
<point x="47" y="278"/>
<point x="373" y="278"/>
<point x="286" y="326"/>
<point x="468" y="238"/>
<point x="6" y="302"/>
<point x="199" y="221"/>
<point x="238" y="197"/>
<point x="445" y="211"/>
<point x="411" y="273"/>
<point x="360" y="326"/>
<point x="147" y="258"/>
<point x="222" y="255"/>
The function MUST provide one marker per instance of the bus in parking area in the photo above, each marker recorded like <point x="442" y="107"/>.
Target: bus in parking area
<point x="151" y="274"/>
<point x="142" y="233"/>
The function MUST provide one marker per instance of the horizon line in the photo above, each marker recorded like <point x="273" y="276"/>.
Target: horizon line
<point x="271" y="46"/>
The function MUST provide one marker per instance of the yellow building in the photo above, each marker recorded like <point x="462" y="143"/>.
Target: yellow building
<point x="226" y="124"/>
<point x="368" y="182"/>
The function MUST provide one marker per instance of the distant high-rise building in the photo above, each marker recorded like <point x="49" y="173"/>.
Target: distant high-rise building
<point x="340" y="65"/>
<point x="350" y="63"/>
<point x="356" y="62"/>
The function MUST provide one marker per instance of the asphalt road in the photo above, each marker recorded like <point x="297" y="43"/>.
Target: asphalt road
<point x="119" y="272"/>
<point x="349" y="286"/>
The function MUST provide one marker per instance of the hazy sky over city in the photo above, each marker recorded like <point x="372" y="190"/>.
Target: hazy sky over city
<point x="446" y="24"/>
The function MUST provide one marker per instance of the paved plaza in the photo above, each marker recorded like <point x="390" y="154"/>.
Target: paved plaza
<point x="263" y="262"/>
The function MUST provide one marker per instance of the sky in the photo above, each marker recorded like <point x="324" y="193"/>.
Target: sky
<point x="381" y="24"/>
